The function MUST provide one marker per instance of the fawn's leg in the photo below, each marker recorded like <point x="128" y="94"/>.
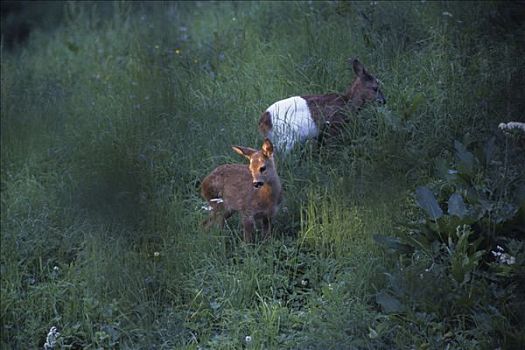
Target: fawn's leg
<point x="208" y="222"/>
<point x="266" y="228"/>
<point x="249" y="227"/>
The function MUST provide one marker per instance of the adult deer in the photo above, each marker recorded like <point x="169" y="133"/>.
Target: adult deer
<point x="252" y="190"/>
<point x="299" y="118"/>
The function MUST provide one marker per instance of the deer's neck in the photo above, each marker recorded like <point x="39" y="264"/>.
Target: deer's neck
<point x="351" y="96"/>
<point x="271" y="191"/>
<point x="273" y="186"/>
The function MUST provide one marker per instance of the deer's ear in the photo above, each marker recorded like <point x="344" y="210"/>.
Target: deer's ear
<point x="244" y="151"/>
<point x="359" y="69"/>
<point x="267" y="148"/>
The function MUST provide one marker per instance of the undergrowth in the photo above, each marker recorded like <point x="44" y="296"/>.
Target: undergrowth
<point x="111" y="117"/>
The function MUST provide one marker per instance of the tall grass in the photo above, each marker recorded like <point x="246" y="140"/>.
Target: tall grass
<point x="110" y="121"/>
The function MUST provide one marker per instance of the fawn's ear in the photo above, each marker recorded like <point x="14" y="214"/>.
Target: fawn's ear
<point x="244" y="151"/>
<point x="267" y="148"/>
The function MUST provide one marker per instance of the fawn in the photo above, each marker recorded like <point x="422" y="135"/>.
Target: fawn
<point x="299" y="118"/>
<point x="252" y="190"/>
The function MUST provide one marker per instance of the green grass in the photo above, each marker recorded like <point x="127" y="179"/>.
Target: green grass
<point x="111" y="118"/>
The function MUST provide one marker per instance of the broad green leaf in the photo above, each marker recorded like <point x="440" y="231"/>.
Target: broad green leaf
<point x="441" y="168"/>
<point x="372" y="334"/>
<point x="465" y="159"/>
<point x="448" y="223"/>
<point x="426" y="200"/>
<point x="456" y="206"/>
<point x="471" y="195"/>
<point x="388" y="303"/>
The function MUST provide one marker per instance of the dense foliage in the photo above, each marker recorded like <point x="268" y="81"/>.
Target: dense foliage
<point x="407" y="231"/>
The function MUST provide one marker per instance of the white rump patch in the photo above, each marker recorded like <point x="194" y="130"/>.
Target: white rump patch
<point x="214" y="200"/>
<point x="291" y="123"/>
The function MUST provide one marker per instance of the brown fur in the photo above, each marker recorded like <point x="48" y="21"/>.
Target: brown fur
<point x="330" y="111"/>
<point x="235" y="184"/>
<point x="265" y="123"/>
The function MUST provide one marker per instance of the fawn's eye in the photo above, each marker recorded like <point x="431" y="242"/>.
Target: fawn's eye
<point x="262" y="169"/>
<point x="375" y="88"/>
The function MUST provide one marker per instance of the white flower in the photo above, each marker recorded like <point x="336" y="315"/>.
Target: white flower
<point x="51" y="339"/>
<point x="304" y="282"/>
<point x="512" y="126"/>
<point x="502" y="257"/>
<point x="248" y="339"/>
<point x="446" y="13"/>
<point x="507" y="259"/>
<point x="55" y="272"/>
<point x="156" y="254"/>
<point x="516" y="125"/>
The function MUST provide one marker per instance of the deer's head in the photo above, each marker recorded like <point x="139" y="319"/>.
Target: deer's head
<point x="262" y="166"/>
<point x="365" y="87"/>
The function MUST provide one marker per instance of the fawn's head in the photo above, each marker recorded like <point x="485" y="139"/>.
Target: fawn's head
<point x="365" y="87"/>
<point x="262" y="166"/>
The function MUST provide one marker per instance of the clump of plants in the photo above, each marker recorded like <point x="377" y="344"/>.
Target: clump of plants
<point x="460" y="276"/>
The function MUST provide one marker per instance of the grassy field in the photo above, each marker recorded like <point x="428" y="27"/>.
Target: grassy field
<point x="406" y="232"/>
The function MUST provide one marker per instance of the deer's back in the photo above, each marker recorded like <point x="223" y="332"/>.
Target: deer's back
<point x="231" y="182"/>
<point x="324" y="107"/>
<point x="234" y="185"/>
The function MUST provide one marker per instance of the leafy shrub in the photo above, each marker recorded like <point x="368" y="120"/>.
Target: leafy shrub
<point x="466" y="252"/>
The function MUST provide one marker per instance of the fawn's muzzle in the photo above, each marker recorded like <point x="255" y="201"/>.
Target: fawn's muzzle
<point x="258" y="184"/>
